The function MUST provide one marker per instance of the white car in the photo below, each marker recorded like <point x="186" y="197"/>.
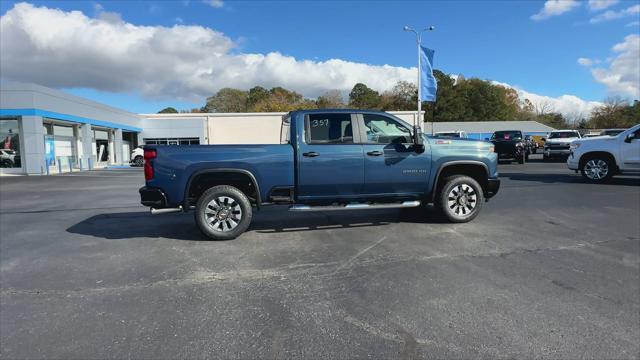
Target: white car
<point x="7" y="158"/>
<point x="557" y="143"/>
<point x="137" y="157"/>
<point x="599" y="158"/>
<point x="452" y="134"/>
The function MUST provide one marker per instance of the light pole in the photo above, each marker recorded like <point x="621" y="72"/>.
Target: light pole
<point x="419" y="42"/>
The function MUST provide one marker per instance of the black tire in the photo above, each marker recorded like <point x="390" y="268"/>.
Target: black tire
<point x="6" y="163"/>
<point x="597" y="169"/>
<point x="218" y="225"/>
<point x="452" y="207"/>
<point x="138" y="161"/>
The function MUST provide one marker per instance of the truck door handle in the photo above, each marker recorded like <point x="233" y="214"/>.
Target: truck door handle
<point x="310" y="154"/>
<point x="374" y="153"/>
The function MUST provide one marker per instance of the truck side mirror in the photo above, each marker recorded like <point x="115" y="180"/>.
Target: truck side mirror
<point x="629" y="137"/>
<point x="418" y="141"/>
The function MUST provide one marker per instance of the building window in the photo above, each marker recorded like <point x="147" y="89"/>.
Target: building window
<point x="172" y="141"/>
<point x="10" y="146"/>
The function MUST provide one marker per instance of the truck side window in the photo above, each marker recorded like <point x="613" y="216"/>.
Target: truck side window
<point x="329" y="129"/>
<point x="383" y="130"/>
<point x="285" y="130"/>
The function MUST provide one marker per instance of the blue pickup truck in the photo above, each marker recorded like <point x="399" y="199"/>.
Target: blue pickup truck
<point x="326" y="160"/>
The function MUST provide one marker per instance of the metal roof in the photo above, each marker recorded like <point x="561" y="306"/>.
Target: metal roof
<point x="488" y="126"/>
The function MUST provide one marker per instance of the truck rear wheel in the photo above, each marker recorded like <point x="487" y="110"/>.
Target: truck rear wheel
<point x="460" y="198"/>
<point x="223" y="212"/>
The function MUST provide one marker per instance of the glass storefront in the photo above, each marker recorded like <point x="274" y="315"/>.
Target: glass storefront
<point x="10" y="146"/>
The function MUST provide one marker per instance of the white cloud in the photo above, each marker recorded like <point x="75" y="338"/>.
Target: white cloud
<point x="178" y="62"/>
<point x="623" y="75"/>
<point x="597" y="5"/>
<point x="612" y="15"/>
<point x="587" y="62"/>
<point x="185" y="62"/>
<point x="633" y="24"/>
<point x="555" y="8"/>
<point x="570" y="106"/>
<point x="214" y="3"/>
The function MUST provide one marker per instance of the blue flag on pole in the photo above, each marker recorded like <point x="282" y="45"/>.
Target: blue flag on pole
<point x="429" y="85"/>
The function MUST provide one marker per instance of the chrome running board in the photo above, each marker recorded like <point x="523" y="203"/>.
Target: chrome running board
<point x="355" y="206"/>
<point x="165" y="210"/>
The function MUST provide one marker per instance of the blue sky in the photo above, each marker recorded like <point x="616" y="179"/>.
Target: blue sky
<point x="495" y="40"/>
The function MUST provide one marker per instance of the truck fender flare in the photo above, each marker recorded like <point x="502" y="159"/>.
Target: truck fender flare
<point x="454" y="162"/>
<point x="221" y="170"/>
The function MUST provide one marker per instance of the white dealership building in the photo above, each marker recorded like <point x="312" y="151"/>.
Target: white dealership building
<point x="46" y="131"/>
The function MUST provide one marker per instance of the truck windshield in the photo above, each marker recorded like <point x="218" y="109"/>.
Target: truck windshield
<point x="563" y="135"/>
<point x="506" y="135"/>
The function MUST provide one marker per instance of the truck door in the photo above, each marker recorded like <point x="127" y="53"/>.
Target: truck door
<point x="392" y="166"/>
<point x="330" y="160"/>
<point x="630" y="152"/>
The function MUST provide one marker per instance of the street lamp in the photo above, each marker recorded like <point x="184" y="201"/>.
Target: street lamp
<point x="419" y="43"/>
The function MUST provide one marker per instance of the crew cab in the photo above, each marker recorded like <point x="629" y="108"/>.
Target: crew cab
<point x="557" y="143"/>
<point x="600" y="158"/>
<point x="326" y="160"/>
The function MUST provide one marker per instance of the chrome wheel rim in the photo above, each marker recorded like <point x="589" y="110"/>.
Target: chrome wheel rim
<point x="462" y="200"/>
<point x="223" y="214"/>
<point x="596" y="169"/>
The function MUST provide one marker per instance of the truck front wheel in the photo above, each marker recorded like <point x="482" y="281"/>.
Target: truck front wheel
<point x="223" y="212"/>
<point x="460" y="198"/>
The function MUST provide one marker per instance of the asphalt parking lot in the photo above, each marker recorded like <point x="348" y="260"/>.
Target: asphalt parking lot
<point x="550" y="268"/>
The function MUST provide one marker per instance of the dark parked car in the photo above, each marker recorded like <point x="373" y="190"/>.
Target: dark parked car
<point x="510" y="145"/>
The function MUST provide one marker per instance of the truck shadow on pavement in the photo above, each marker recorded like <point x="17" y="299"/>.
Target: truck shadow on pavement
<point x="276" y="219"/>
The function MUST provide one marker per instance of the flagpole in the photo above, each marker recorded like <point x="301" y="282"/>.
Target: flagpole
<point x="419" y="118"/>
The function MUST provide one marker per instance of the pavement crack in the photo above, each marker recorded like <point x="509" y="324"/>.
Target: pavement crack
<point x="360" y="253"/>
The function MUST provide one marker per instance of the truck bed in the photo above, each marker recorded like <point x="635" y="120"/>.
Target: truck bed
<point x="272" y="165"/>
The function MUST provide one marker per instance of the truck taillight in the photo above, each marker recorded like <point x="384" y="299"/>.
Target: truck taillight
<point x="149" y="154"/>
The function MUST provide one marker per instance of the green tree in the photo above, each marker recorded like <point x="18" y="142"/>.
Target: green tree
<point x="168" y="110"/>
<point x="256" y="95"/>
<point x="555" y="120"/>
<point x="227" y="100"/>
<point x="362" y="97"/>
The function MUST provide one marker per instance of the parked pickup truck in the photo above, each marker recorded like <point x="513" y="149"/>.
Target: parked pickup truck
<point x="327" y="160"/>
<point x="599" y="158"/>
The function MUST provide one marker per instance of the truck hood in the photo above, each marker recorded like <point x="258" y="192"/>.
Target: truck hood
<point x="596" y="139"/>
<point x="561" y="140"/>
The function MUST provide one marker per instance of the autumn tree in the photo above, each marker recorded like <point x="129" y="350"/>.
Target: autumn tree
<point x="227" y="100"/>
<point x="331" y="99"/>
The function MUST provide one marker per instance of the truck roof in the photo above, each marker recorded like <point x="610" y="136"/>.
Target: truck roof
<point x="357" y="111"/>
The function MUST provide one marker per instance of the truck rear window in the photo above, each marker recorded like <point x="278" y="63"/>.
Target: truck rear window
<point x="329" y="129"/>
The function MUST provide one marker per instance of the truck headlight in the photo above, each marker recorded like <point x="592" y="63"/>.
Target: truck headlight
<point x="574" y="146"/>
<point x="492" y="149"/>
